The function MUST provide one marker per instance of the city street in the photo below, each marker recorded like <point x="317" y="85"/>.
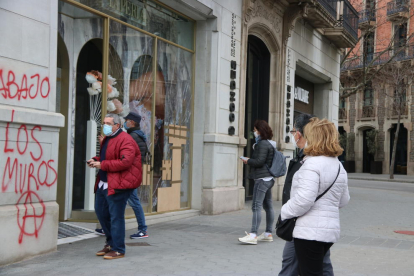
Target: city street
<point x="208" y="245"/>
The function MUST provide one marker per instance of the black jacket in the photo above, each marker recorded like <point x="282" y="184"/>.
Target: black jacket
<point x="141" y="143"/>
<point x="294" y="166"/>
<point x="262" y="156"/>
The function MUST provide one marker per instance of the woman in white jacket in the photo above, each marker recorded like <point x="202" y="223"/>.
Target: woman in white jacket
<point x="317" y="226"/>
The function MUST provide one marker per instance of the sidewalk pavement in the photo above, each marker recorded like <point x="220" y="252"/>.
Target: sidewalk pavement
<point x="208" y="245"/>
<point x="382" y="177"/>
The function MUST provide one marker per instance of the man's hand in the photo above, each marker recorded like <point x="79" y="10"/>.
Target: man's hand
<point x="245" y="161"/>
<point x="95" y="164"/>
<point x="100" y="137"/>
<point x="88" y="163"/>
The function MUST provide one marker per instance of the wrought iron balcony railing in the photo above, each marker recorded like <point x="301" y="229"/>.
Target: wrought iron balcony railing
<point x="366" y="16"/>
<point x="368" y="111"/>
<point x="397" y="6"/>
<point x="349" y="19"/>
<point x="378" y="58"/>
<point x="403" y="111"/>
<point x="330" y="6"/>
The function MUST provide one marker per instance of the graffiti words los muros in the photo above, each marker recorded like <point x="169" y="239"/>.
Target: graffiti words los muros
<point x="25" y="166"/>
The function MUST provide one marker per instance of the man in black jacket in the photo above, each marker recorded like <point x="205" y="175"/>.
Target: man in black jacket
<point x="132" y="126"/>
<point x="290" y="262"/>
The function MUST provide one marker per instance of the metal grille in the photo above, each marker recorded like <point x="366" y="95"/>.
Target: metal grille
<point x="66" y="230"/>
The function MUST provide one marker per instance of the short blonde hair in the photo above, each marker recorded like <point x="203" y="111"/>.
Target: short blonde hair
<point x="322" y="138"/>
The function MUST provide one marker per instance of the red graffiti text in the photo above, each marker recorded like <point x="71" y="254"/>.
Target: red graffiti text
<point x="23" y="88"/>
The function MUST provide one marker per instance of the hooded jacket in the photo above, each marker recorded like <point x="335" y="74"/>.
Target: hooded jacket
<point x="317" y="220"/>
<point x="262" y="156"/>
<point x="122" y="163"/>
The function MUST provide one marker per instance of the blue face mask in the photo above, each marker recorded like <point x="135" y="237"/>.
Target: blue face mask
<point x="107" y="130"/>
<point x="125" y="126"/>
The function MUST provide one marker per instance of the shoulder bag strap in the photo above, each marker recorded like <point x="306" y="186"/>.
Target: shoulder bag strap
<point x="321" y="195"/>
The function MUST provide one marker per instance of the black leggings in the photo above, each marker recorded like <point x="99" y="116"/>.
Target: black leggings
<point x="310" y="256"/>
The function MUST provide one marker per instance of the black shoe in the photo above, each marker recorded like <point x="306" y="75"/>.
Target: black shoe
<point x="99" y="232"/>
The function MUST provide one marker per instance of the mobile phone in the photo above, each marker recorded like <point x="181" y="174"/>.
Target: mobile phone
<point x="243" y="158"/>
<point x="87" y="162"/>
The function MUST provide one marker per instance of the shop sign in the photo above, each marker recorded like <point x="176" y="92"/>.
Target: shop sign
<point x="127" y="9"/>
<point x="302" y="95"/>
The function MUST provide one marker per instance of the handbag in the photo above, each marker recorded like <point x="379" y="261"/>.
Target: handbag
<point x="284" y="229"/>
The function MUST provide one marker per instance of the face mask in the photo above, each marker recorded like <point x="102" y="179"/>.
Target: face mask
<point x="107" y="130"/>
<point x="294" y="141"/>
<point x="125" y="126"/>
<point x="255" y="134"/>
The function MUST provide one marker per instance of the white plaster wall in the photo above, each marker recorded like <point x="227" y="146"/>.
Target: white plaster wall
<point x="309" y="46"/>
<point x="29" y="128"/>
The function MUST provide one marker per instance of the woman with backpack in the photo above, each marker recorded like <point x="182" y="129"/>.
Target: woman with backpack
<point x="259" y="163"/>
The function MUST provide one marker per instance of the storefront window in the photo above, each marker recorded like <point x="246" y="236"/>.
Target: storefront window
<point x="176" y="65"/>
<point x="149" y="16"/>
<point x="135" y="59"/>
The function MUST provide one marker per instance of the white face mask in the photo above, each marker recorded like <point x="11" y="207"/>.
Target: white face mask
<point x="294" y="141"/>
<point x="255" y="134"/>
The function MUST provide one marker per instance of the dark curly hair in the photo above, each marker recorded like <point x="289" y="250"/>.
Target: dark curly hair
<point x="266" y="132"/>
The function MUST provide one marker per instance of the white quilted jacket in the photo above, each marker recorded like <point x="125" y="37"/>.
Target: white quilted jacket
<point x="317" y="220"/>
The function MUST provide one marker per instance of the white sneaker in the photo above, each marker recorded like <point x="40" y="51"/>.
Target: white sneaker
<point x="263" y="237"/>
<point x="248" y="239"/>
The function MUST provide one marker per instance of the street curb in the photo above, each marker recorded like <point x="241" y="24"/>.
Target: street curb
<point x="383" y="180"/>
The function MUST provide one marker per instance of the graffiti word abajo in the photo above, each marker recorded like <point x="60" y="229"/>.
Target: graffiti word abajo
<point x="27" y="87"/>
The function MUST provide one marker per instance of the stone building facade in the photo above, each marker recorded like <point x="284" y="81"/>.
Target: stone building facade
<point x="199" y="72"/>
<point x="384" y="28"/>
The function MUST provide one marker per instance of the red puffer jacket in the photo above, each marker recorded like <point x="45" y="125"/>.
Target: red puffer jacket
<point x="122" y="163"/>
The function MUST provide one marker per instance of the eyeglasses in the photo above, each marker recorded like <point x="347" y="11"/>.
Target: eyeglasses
<point x="293" y="132"/>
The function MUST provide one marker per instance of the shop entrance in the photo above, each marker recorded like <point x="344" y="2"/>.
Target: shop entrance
<point x="257" y="98"/>
<point x="400" y="164"/>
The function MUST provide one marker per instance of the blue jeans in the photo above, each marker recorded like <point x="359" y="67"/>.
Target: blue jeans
<point x="110" y="211"/>
<point x="290" y="265"/>
<point x="262" y="196"/>
<point x="134" y="202"/>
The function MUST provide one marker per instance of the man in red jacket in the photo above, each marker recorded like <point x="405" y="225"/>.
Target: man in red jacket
<point x="120" y="172"/>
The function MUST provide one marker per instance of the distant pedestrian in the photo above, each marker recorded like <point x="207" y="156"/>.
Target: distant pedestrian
<point x="289" y="260"/>
<point x="132" y="126"/>
<point x="317" y="225"/>
<point x="120" y="173"/>
<point x="263" y="182"/>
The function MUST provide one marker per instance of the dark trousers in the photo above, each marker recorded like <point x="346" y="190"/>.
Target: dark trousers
<point x="290" y="265"/>
<point x="110" y="211"/>
<point x="310" y="256"/>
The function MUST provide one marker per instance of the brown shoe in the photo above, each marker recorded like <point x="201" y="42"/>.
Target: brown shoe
<point x="114" y="255"/>
<point x="106" y="249"/>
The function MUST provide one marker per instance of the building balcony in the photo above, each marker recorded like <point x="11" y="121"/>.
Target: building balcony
<point x="393" y="112"/>
<point x="322" y="13"/>
<point x="367" y="112"/>
<point x="378" y="58"/>
<point x="398" y="10"/>
<point x="366" y="19"/>
<point x="345" y="32"/>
